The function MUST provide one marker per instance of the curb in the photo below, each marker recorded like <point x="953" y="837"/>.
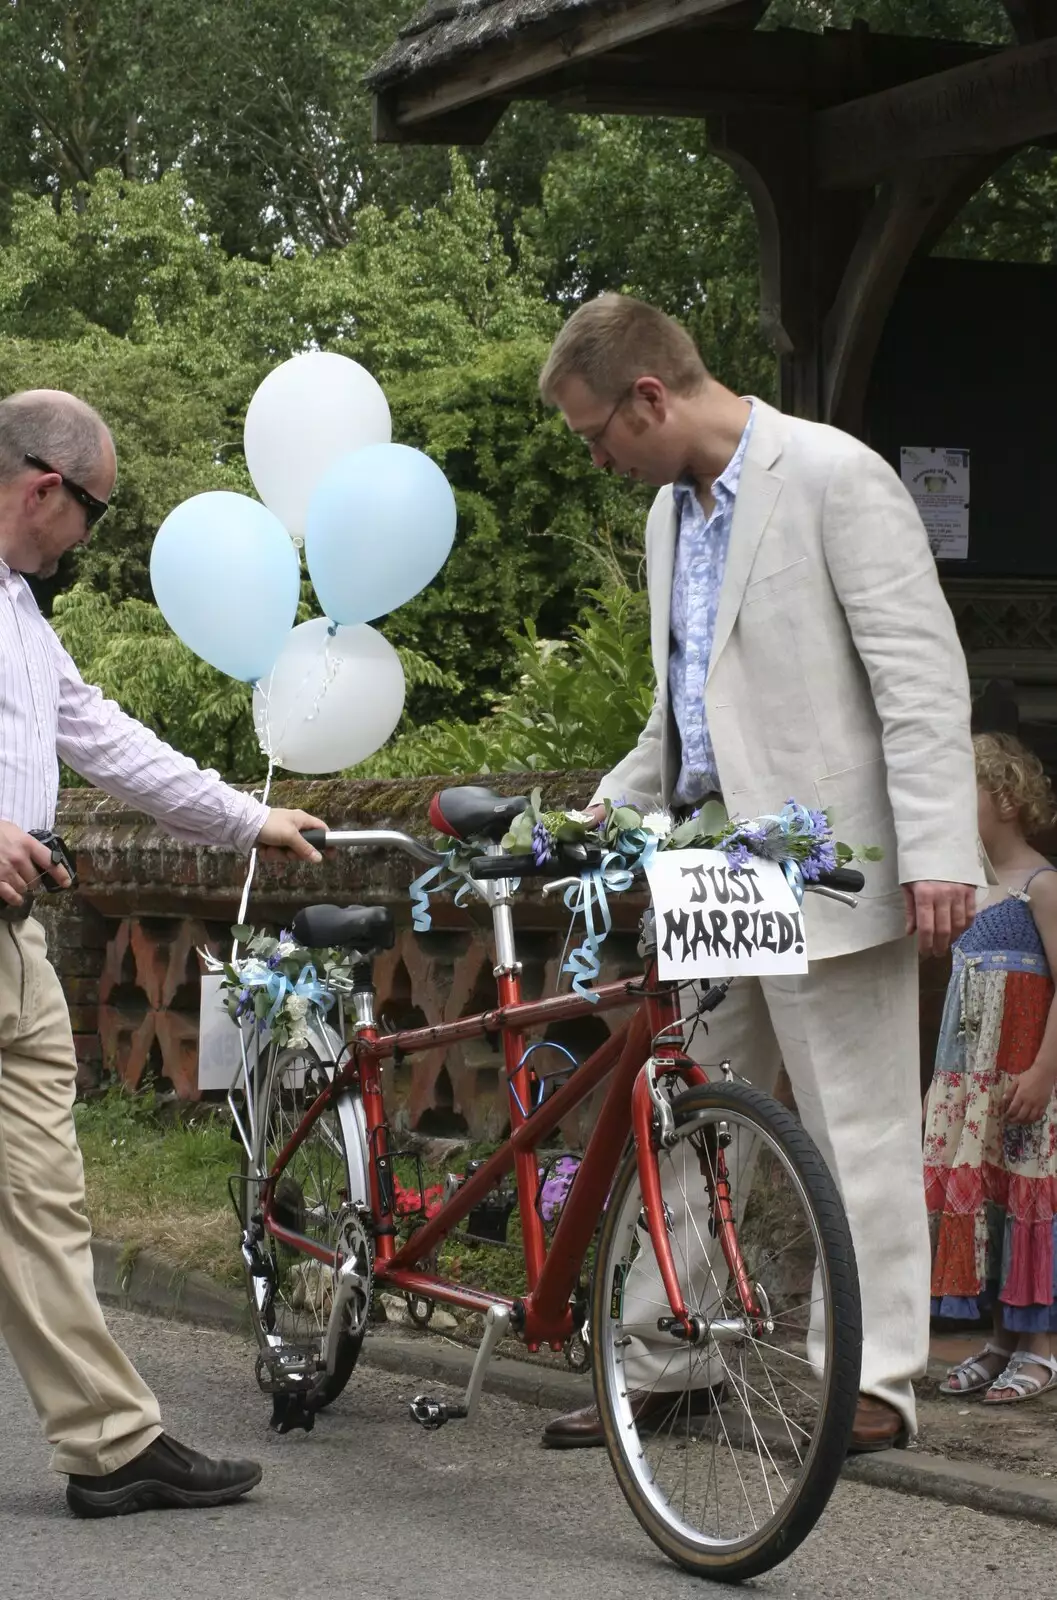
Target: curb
<point x="957" y="1483"/>
<point x="144" y="1283"/>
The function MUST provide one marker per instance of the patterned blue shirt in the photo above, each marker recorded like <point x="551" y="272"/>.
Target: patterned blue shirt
<point x="700" y="561"/>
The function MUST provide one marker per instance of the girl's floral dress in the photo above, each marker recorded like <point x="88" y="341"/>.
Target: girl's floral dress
<point x="991" y="1185"/>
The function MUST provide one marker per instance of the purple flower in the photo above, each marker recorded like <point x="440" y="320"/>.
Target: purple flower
<point x="542" y="845"/>
<point x="738" y="856"/>
<point x="556" y="1188"/>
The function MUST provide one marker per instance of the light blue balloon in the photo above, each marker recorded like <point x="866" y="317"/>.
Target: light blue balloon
<point x="380" y="525"/>
<point x="226" y="578"/>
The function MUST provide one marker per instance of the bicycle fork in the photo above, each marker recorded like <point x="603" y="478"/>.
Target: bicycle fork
<point x="654" y="1129"/>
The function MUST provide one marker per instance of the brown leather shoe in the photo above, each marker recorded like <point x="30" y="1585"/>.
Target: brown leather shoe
<point x="582" y="1430"/>
<point x="878" y="1426"/>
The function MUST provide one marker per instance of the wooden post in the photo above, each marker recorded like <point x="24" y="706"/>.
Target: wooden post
<point x="831" y="261"/>
<point x="806" y="239"/>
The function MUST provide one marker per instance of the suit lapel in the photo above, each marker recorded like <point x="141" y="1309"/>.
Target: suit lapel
<point x="758" y="491"/>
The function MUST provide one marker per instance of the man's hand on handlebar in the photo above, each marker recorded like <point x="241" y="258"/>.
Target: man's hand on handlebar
<point x="282" y="835"/>
<point x="23" y="862"/>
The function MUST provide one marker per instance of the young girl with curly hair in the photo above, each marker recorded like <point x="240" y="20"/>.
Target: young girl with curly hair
<point x="991" y="1114"/>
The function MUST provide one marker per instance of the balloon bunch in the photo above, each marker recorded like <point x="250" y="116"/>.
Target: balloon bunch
<point x="377" y="521"/>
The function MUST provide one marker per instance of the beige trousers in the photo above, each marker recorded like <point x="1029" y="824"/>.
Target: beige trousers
<point x="94" y="1407"/>
<point x="847" y="1032"/>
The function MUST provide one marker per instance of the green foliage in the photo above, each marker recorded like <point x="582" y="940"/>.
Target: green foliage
<point x="580" y="703"/>
<point x="639" y="204"/>
<point x="188" y="195"/>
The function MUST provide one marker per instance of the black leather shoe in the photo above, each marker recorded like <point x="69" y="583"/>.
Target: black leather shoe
<point x="167" y="1475"/>
<point x="582" y="1430"/>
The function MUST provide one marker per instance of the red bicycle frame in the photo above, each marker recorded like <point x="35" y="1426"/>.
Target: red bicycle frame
<point x="545" y="1314"/>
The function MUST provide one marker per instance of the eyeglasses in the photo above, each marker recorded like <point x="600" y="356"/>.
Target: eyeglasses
<point x="593" y="440"/>
<point x="93" y="507"/>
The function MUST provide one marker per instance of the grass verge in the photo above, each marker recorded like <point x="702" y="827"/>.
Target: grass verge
<point x="160" y="1186"/>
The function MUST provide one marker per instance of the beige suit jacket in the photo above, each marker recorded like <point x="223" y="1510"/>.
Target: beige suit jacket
<point x="836" y="677"/>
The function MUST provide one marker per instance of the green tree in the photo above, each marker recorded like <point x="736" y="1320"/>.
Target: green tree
<point x="640" y="205"/>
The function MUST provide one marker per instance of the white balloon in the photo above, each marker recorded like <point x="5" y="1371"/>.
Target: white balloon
<point x="306" y="415"/>
<point x="331" y="700"/>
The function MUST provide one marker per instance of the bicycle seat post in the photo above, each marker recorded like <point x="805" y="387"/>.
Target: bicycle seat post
<point x="501" y="899"/>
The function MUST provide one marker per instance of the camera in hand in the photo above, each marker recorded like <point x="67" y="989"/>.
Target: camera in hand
<point x="60" y="857"/>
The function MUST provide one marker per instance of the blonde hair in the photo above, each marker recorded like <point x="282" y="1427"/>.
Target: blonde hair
<point x="1008" y="770"/>
<point x="611" y="341"/>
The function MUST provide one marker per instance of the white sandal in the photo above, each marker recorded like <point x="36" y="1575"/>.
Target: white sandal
<point x="1015" y="1378"/>
<point x="974" y="1373"/>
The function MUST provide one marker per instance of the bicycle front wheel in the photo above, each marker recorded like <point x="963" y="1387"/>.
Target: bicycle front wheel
<point x="728" y="1448"/>
<point x="291" y="1294"/>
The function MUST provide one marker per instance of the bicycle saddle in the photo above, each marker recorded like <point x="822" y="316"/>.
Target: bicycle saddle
<point x="345" y="927"/>
<point x="471" y="812"/>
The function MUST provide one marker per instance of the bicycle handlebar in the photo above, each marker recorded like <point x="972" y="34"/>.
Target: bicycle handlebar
<point x="569" y="858"/>
<point x="372" y="839"/>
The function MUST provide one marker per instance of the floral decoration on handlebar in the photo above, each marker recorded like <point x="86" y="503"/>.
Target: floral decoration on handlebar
<point x="279" y="985"/>
<point x="794" y="834"/>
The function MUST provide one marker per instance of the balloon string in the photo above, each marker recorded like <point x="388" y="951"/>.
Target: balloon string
<point x="251" y="869"/>
<point x="271" y="746"/>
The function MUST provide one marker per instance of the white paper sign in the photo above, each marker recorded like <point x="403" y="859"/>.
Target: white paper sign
<point x="219" y="1049"/>
<point x="219" y="1052"/>
<point x="715" y="922"/>
<point x="939" y="483"/>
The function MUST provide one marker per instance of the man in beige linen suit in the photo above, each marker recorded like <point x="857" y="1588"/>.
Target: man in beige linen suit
<point x="802" y="648"/>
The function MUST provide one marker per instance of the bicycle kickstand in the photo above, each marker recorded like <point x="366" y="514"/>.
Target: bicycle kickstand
<point x="433" y="1414"/>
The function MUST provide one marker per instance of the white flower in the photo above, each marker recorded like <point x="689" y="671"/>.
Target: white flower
<point x="659" y="823"/>
<point x="285" y="949"/>
<point x="296" y="1007"/>
<point x="580" y="816"/>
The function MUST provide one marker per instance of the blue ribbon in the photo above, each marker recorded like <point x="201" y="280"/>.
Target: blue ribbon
<point x="424" y="885"/>
<point x="277" y="987"/>
<point x="612" y="876"/>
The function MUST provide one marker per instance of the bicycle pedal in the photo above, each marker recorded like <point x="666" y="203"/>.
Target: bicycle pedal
<point x="290" y="1411"/>
<point x="433" y="1414"/>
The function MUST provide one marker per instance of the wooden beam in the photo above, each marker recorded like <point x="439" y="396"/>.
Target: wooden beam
<point x="502" y="71"/>
<point x="702" y="71"/>
<point x="1003" y="102"/>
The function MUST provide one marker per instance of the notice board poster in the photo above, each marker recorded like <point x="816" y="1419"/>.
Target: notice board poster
<point x="938" y="479"/>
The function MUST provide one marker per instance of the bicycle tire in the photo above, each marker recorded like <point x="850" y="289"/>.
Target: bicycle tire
<point x="736" y="1560"/>
<point x="274" y="1127"/>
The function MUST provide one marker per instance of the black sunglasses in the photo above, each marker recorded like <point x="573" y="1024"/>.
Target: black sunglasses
<point x="93" y="507"/>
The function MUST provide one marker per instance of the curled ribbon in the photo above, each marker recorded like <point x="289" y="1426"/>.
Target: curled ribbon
<point x="433" y="881"/>
<point x="612" y="876"/>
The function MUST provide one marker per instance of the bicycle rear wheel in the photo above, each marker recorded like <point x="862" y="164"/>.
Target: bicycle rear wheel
<point x="727" y="1449"/>
<point x="291" y="1294"/>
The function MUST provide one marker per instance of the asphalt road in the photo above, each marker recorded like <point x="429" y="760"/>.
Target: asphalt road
<point x="367" y="1505"/>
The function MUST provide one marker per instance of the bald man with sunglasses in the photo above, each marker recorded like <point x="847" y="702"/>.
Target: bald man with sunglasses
<point x="57" y="470"/>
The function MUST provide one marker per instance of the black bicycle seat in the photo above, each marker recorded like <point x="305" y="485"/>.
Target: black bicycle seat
<point x="472" y="812"/>
<point x="345" y="927"/>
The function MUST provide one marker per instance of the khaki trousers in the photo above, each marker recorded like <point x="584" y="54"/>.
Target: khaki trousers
<point x="847" y="1032"/>
<point x="94" y="1407"/>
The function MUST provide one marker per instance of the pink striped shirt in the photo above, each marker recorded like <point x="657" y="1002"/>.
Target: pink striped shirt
<point x="47" y="711"/>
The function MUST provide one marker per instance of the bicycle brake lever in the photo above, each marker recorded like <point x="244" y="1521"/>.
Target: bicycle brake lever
<point x="555" y="884"/>
<point x="832" y="894"/>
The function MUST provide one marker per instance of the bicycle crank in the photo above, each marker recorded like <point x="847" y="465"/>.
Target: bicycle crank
<point x="432" y="1414"/>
